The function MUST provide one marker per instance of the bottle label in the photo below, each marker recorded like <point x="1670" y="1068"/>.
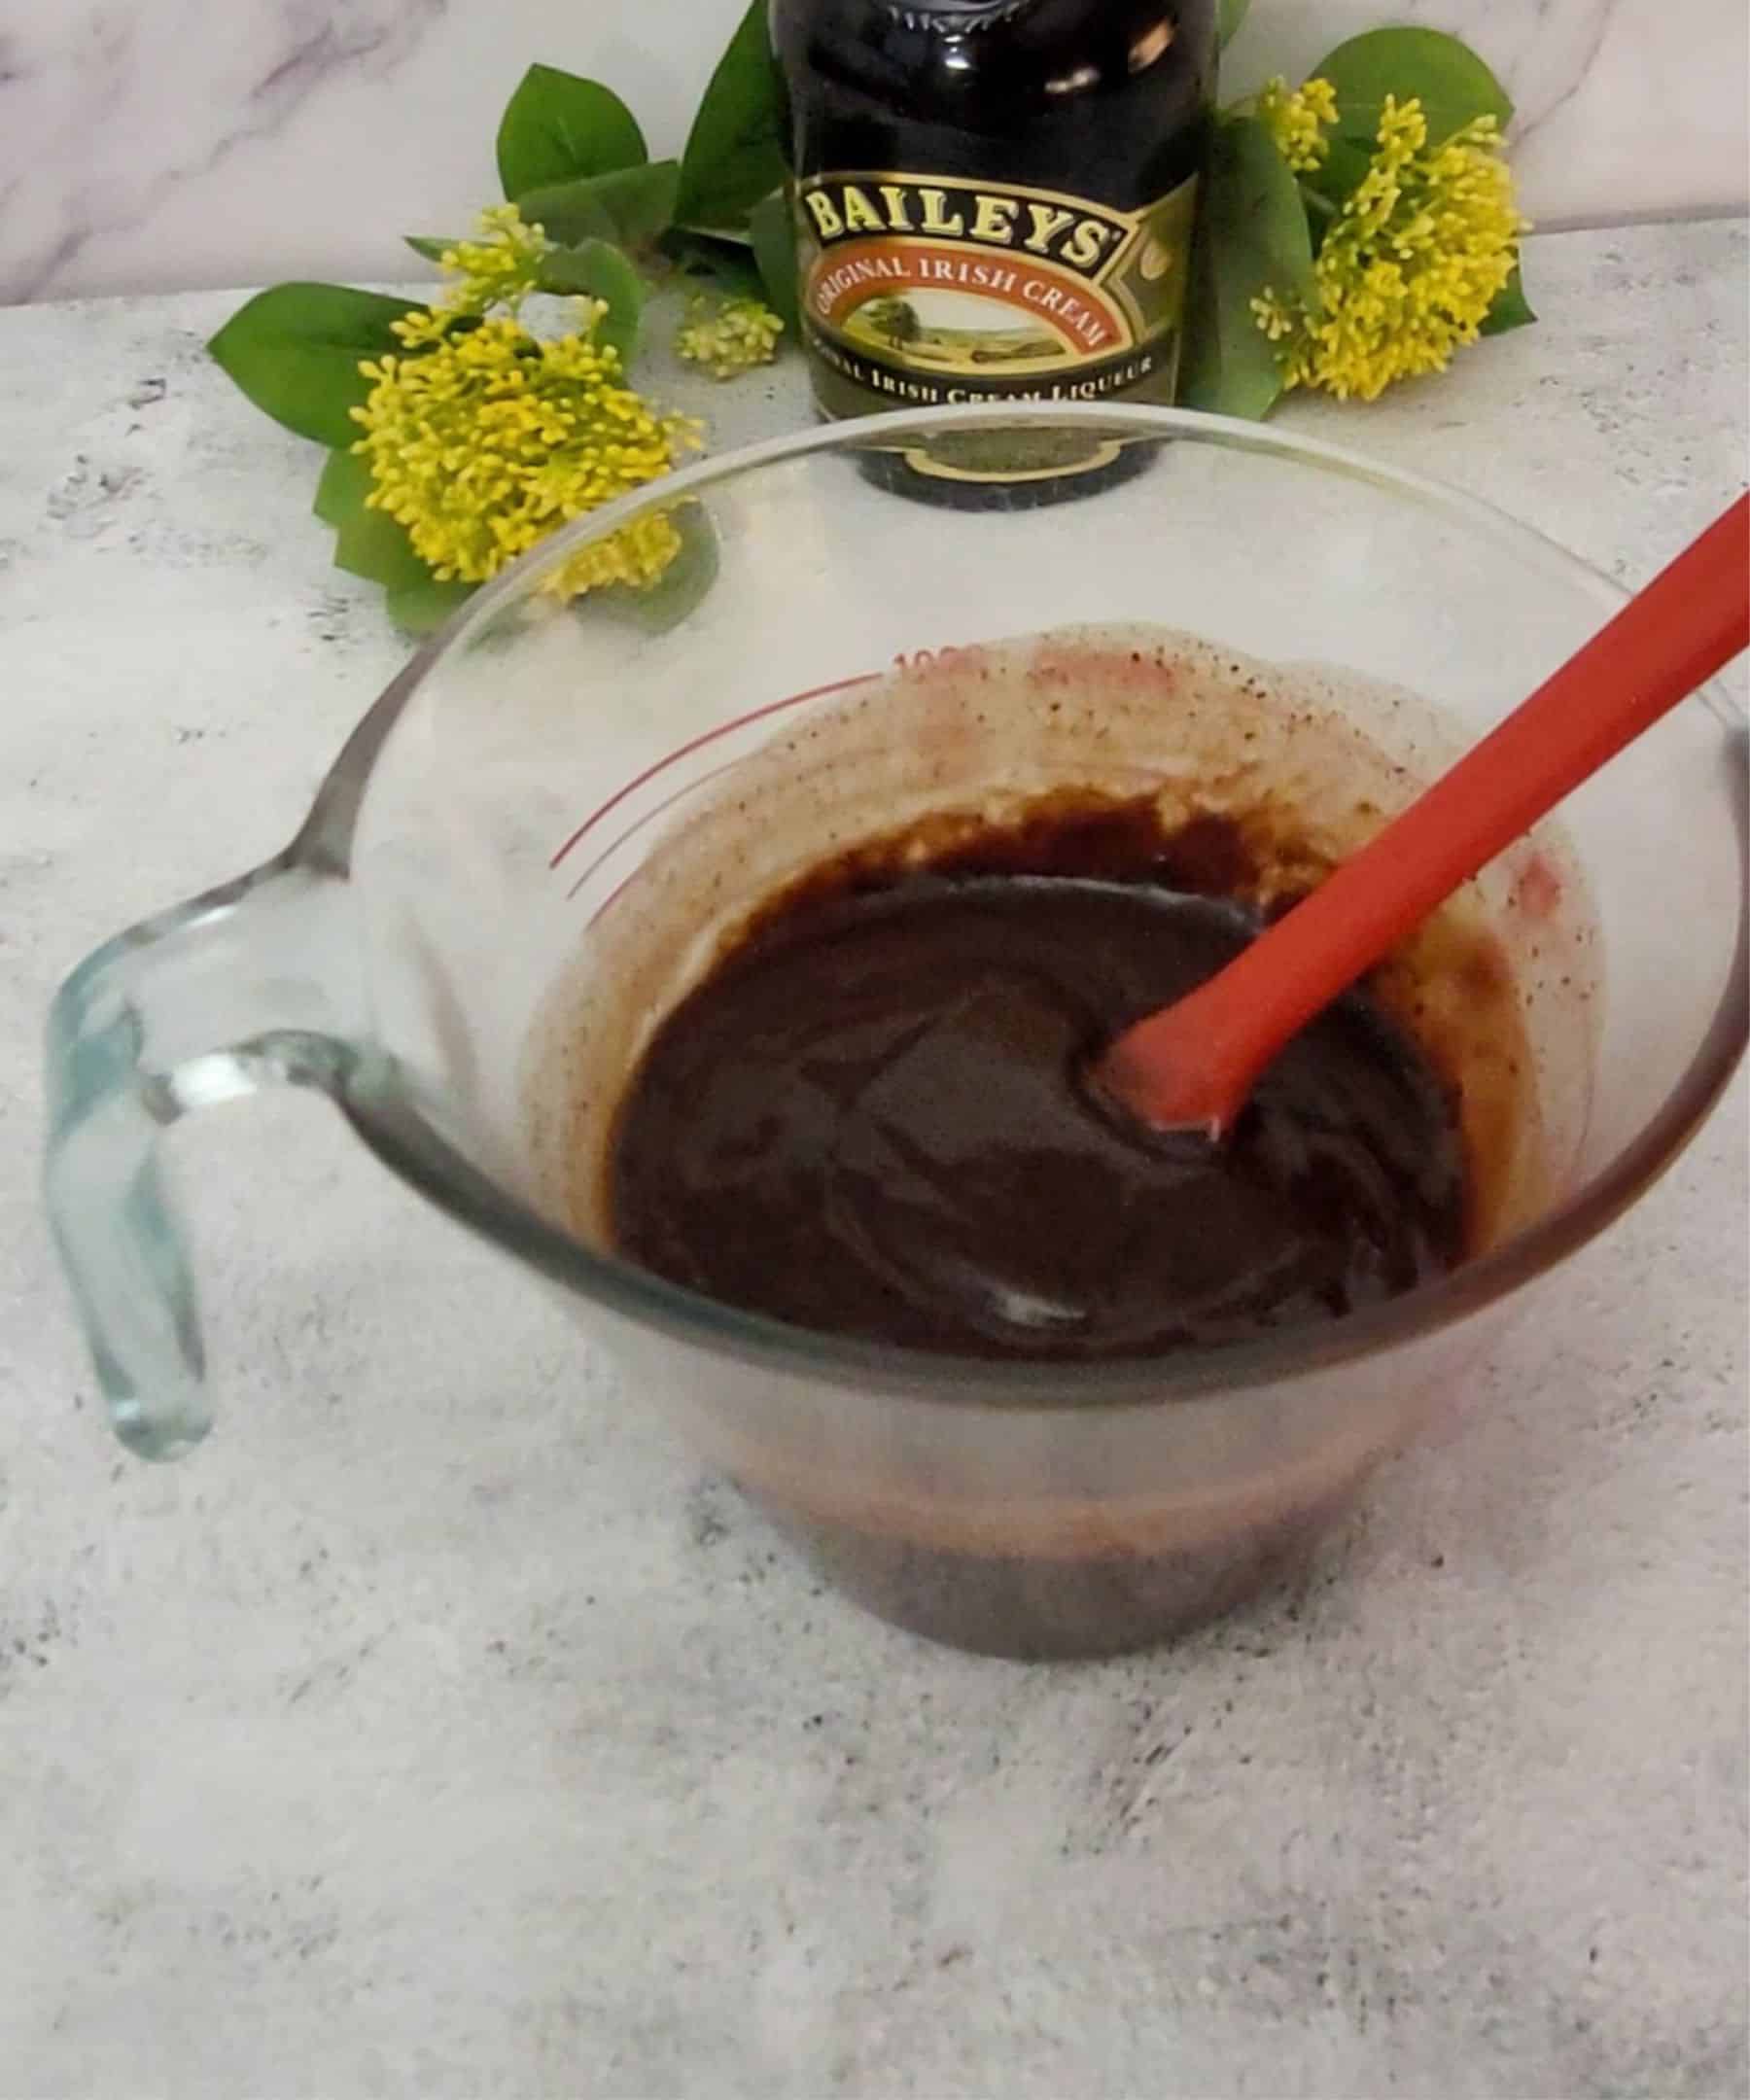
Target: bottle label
<point x="923" y="291"/>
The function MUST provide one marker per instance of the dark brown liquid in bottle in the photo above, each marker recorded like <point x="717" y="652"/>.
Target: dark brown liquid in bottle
<point x="995" y="203"/>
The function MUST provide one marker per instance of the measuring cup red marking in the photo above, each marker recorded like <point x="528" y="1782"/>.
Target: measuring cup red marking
<point x="698" y="743"/>
<point x="632" y="830"/>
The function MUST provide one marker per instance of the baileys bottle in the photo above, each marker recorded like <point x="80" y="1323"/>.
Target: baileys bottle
<point x="994" y="202"/>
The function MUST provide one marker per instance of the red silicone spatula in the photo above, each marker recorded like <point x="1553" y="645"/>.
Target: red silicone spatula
<point x="1193" y="1064"/>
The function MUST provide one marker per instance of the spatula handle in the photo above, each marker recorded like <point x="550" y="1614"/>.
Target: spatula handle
<point x="1194" y="1062"/>
<point x="1672" y="637"/>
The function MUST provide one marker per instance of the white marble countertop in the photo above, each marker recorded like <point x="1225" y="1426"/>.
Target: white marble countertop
<point x="276" y="138"/>
<point x="435" y="1730"/>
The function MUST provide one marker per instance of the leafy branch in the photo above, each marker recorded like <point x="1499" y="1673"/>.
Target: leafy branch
<point x="596" y="220"/>
<point x="574" y="160"/>
<point x="1263" y="223"/>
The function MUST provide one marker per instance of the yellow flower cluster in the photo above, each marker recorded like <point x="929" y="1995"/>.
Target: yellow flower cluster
<point x="729" y="336"/>
<point x="1409" y="265"/>
<point x="490" y="436"/>
<point x="499" y="268"/>
<point x="1297" y="119"/>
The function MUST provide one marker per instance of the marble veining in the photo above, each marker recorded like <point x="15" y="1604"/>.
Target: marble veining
<point x="174" y="144"/>
<point x="108" y="112"/>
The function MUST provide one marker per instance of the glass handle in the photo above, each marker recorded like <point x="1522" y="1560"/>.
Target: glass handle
<point x="253" y="984"/>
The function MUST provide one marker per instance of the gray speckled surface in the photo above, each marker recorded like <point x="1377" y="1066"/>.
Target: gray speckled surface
<point x="436" y="1730"/>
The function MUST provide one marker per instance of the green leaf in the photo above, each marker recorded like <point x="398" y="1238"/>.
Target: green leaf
<point x="735" y="152"/>
<point x="598" y="269"/>
<point x="1447" y="77"/>
<point x="1252" y="234"/>
<point x="731" y="236"/>
<point x="1345" y="161"/>
<point x="661" y="606"/>
<point x="371" y="545"/>
<point x="630" y="206"/>
<point x="367" y="544"/>
<point x="343" y="487"/>
<point x="1510" y="309"/>
<point x="557" y="127"/>
<point x="773" y="226"/>
<point x="433" y="246"/>
<point x="728" y="265"/>
<point x="295" y="351"/>
<point x="419" y="608"/>
<point x="1231" y="13"/>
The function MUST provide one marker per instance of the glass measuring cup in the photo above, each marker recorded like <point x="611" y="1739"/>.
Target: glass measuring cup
<point x="519" y="796"/>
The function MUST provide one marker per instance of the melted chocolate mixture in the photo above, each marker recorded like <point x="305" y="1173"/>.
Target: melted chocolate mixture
<point x="870" y="1119"/>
